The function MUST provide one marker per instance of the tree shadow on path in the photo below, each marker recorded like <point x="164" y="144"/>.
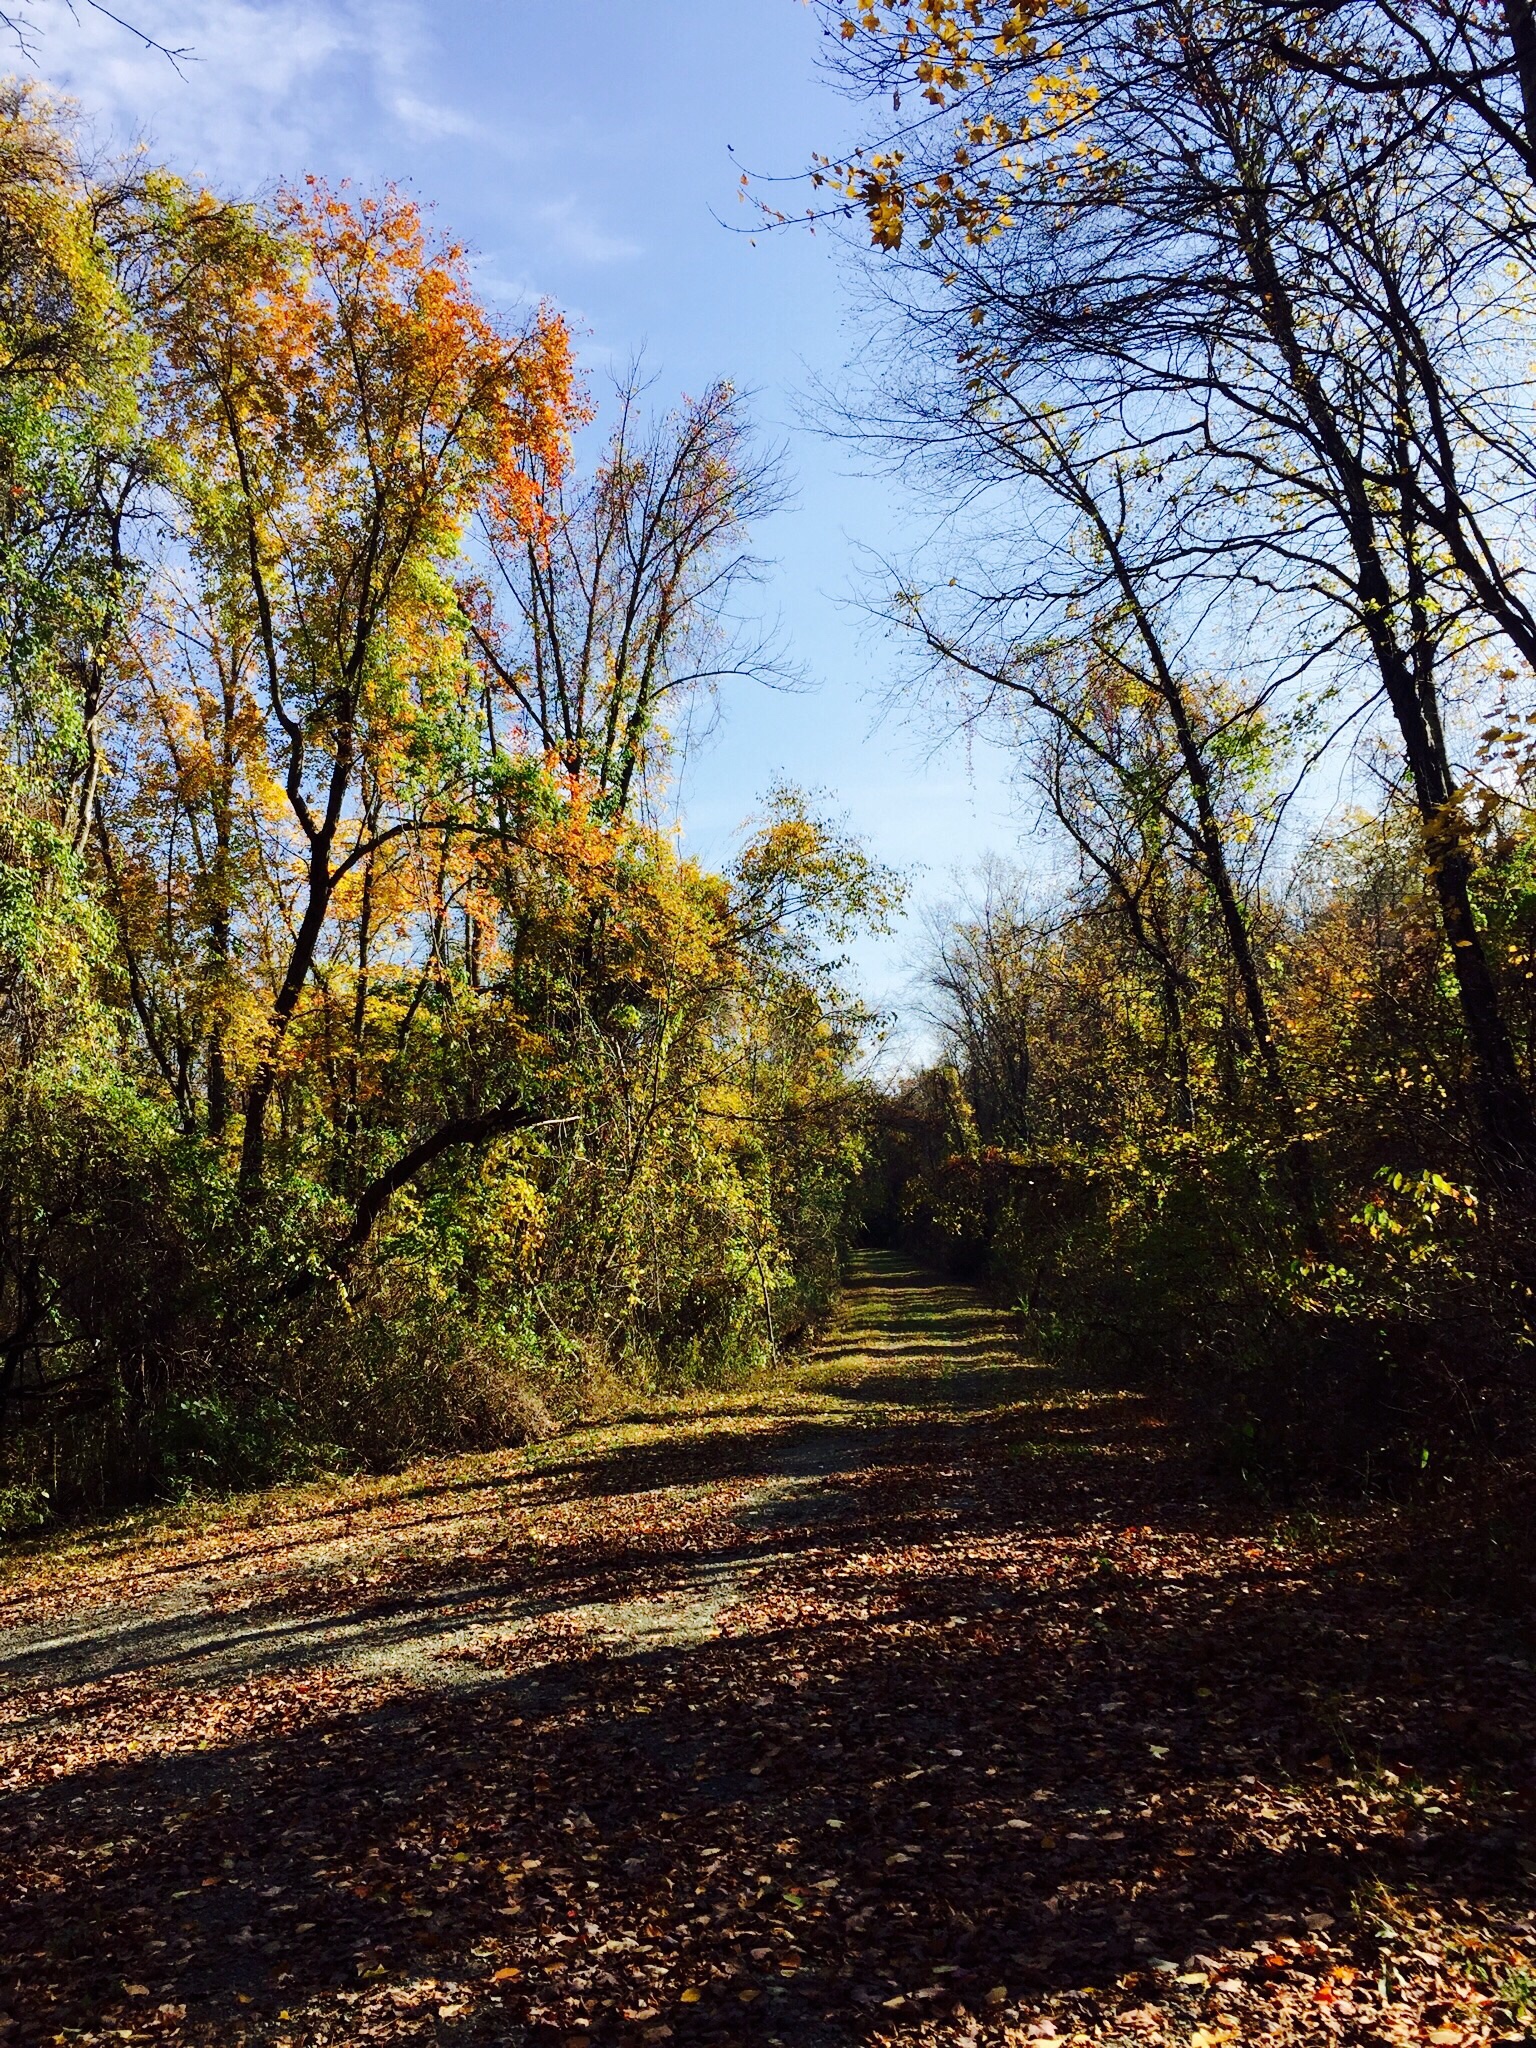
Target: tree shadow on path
<point x="994" y="1726"/>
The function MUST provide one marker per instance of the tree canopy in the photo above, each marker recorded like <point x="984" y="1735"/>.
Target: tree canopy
<point x="356" y="999"/>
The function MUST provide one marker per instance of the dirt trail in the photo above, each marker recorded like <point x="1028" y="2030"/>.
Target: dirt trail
<point x="908" y="1348"/>
<point x="921" y="1697"/>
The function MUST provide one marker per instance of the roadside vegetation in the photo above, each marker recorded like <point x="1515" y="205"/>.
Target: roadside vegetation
<point x="1202" y="341"/>
<point x="376" y="1074"/>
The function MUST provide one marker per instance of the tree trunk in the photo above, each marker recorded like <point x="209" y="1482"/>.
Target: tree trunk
<point x="1504" y="1103"/>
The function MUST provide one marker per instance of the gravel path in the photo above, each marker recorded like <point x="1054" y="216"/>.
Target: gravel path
<point x="183" y="1639"/>
<point x="928" y="1698"/>
<point x="187" y="1637"/>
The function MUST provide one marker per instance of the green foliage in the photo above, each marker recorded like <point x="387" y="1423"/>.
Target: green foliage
<point x="1149" y="1226"/>
<point x="373" y="1079"/>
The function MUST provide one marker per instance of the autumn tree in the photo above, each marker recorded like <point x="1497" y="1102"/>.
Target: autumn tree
<point x="341" y="408"/>
<point x="609" y="631"/>
<point x="379" y="1071"/>
<point x="984" y="1006"/>
<point x="71" y="470"/>
<point x="71" y="464"/>
<point x="1145" y="223"/>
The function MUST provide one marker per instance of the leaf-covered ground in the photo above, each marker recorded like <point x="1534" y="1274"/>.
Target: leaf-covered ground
<point x="920" y="1700"/>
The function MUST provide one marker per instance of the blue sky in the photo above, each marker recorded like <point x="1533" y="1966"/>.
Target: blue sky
<point x="582" y="148"/>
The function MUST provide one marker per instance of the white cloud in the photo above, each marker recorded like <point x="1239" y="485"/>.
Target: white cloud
<point x="427" y="118"/>
<point x="269" y="89"/>
<point x="265" y="88"/>
<point x="576" y="234"/>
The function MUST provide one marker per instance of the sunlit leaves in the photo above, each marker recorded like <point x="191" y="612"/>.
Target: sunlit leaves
<point x="999" y="97"/>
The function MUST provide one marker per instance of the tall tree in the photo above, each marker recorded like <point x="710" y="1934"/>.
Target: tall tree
<point x="1144" y="220"/>
<point x="341" y="408"/>
<point x="72" y="470"/>
<point x="608" y="628"/>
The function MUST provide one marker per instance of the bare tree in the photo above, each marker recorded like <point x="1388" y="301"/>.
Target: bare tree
<point x="1086" y="644"/>
<point x="1292" y="300"/>
<point x="980" y="975"/>
<point x="23" y="28"/>
<point x="619" y="618"/>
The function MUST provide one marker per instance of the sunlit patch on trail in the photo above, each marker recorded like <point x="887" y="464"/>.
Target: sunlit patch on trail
<point x="914" y="1698"/>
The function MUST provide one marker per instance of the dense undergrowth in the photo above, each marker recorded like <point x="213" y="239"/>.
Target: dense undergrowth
<point x="1384" y="1372"/>
<point x="1353" y="1319"/>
